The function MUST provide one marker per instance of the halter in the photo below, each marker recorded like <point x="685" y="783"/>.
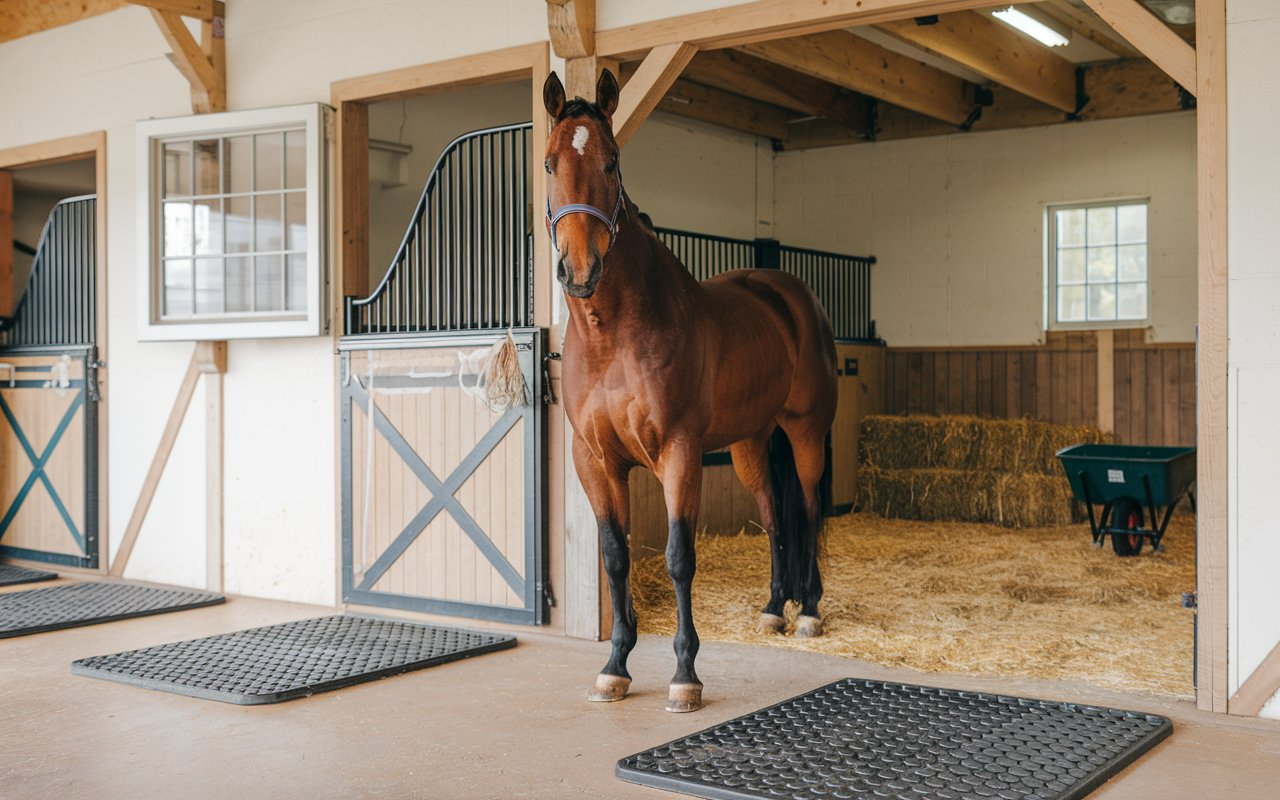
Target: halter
<point x="610" y="222"/>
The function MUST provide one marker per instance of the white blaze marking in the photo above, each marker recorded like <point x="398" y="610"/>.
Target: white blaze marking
<point x="580" y="136"/>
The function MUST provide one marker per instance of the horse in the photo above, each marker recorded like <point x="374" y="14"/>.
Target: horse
<point x="658" y="369"/>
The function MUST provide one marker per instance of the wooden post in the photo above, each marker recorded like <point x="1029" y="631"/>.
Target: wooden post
<point x="8" y="292"/>
<point x="1106" y="382"/>
<point x="211" y="359"/>
<point x="353" y="200"/>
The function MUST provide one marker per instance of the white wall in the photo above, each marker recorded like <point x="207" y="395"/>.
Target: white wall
<point x="1253" y="301"/>
<point x="957" y="222"/>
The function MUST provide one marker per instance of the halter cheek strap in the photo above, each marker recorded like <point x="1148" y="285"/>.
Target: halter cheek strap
<point x="610" y="222"/>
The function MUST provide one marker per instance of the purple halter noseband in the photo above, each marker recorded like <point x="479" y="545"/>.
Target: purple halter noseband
<point x="610" y="222"/>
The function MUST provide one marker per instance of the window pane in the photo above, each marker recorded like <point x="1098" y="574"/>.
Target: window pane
<point x="295" y="160"/>
<point x="1133" y="262"/>
<point x="267" y="222"/>
<point x="239" y="224"/>
<point x="1131" y="302"/>
<point x="1102" y="264"/>
<point x="268" y="282"/>
<point x="177" y="169"/>
<point x="177" y="229"/>
<point x="1131" y="224"/>
<point x="1071" y="227"/>
<point x="1071" y="265"/>
<point x="1102" y="225"/>
<point x="239" y="285"/>
<point x="1102" y="302"/>
<point x="238" y="156"/>
<point x="295" y="215"/>
<point x="297" y="288"/>
<point x="1071" y="304"/>
<point x="268" y="167"/>
<point x="177" y="287"/>
<point x="208" y="286"/>
<point x="206" y="151"/>
<point x="208" y="227"/>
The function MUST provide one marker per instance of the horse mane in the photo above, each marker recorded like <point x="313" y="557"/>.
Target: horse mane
<point x="579" y="107"/>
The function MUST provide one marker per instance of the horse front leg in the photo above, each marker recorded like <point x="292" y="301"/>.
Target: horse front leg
<point x="606" y="486"/>
<point x="682" y="487"/>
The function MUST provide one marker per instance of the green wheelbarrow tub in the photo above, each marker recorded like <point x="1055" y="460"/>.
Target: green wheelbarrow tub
<point x="1116" y="470"/>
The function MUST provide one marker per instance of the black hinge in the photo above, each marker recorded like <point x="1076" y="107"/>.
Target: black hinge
<point x="548" y="396"/>
<point x="548" y="596"/>
<point x="1188" y="599"/>
<point x="91" y="367"/>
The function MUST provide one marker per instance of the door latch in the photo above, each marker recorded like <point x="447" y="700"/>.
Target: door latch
<point x="548" y="396"/>
<point x="91" y="367"/>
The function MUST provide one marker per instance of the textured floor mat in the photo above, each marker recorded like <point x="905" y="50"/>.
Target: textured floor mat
<point x="868" y="739"/>
<point x="74" y="604"/>
<point x="11" y="575"/>
<point x="290" y="660"/>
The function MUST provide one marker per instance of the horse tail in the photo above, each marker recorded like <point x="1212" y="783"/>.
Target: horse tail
<point x="797" y="536"/>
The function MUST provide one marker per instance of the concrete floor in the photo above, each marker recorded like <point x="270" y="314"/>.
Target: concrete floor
<point x="512" y="724"/>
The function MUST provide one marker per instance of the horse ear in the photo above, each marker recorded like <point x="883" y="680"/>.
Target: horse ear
<point x="553" y="95"/>
<point x="607" y="93"/>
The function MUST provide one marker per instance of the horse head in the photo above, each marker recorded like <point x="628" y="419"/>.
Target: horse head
<point x="584" y="184"/>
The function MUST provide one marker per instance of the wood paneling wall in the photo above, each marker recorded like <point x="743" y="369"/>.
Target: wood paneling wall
<point x="1152" y="385"/>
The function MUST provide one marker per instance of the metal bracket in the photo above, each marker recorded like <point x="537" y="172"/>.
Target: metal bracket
<point x="91" y="367"/>
<point x="548" y="396"/>
<point x="1189" y="600"/>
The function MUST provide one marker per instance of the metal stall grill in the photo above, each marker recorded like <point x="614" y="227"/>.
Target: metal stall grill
<point x="841" y="282"/>
<point x="442" y="496"/>
<point x="49" y="399"/>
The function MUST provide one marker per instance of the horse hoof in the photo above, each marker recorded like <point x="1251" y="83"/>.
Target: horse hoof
<point x="772" y="623"/>
<point x="608" y="688"/>
<point x="684" y="697"/>
<point x="808" y="627"/>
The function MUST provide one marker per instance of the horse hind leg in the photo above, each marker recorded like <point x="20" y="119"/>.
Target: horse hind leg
<point x="808" y="462"/>
<point x="751" y="463"/>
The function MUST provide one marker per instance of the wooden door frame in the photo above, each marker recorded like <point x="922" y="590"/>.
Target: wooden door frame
<point x="351" y="98"/>
<point x="72" y="148"/>
<point x="772" y="19"/>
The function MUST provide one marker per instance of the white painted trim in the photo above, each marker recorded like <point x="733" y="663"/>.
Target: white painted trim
<point x="317" y="120"/>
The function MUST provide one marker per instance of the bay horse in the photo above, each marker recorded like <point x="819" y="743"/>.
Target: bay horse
<point x="659" y="369"/>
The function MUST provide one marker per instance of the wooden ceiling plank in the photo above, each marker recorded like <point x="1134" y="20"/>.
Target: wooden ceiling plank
<point x="20" y="18"/>
<point x="196" y="9"/>
<point x="743" y="74"/>
<point x="572" y="26"/>
<point x="1084" y="22"/>
<point x="846" y="60"/>
<point x="1152" y="37"/>
<point x="694" y="100"/>
<point x="996" y="52"/>
<point x="647" y="86"/>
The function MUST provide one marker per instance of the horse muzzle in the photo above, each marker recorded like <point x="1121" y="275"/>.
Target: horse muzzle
<point x="580" y="290"/>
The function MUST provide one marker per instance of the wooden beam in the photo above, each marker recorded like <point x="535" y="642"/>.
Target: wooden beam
<point x="211" y="360"/>
<point x="765" y="20"/>
<point x="1259" y="687"/>
<point x="196" y="9"/>
<point x="846" y="60"/>
<point x="208" y="83"/>
<point x="743" y="74"/>
<point x="353" y="199"/>
<point x="481" y="69"/>
<point x="8" y="292"/>
<point x="996" y="52"/>
<point x="1106" y="379"/>
<point x="20" y="18"/>
<point x="213" y="43"/>
<point x="149" y="485"/>
<point x="645" y="90"/>
<point x="1088" y="25"/>
<point x="1152" y="37"/>
<point x="572" y="26"/>
<point x="1212" y="466"/>
<point x="728" y="110"/>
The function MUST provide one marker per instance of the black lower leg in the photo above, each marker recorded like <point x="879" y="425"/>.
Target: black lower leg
<point x="812" y="592"/>
<point x="777" y="592"/>
<point x="681" y="566"/>
<point x="617" y="565"/>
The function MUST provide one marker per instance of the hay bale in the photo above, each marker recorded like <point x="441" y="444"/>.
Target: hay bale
<point x="1024" y="500"/>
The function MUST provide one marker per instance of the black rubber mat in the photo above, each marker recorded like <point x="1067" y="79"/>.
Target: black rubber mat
<point x="11" y="575"/>
<point x="75" y="604"/>
<point x="868" y="739"/>
<point x="290" y="660"/>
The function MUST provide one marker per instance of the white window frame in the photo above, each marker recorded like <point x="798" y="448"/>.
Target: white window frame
<point x="1051" y="267"/>
<point x="316" y="119"/>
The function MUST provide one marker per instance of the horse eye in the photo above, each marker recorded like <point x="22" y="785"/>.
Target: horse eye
<point x="612" y="165"/>
<point x="547" y="166"/>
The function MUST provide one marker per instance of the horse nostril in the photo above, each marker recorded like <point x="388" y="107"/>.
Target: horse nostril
<point x="562" y="274"/>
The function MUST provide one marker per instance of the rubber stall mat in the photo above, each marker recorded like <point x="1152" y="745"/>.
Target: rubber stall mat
<point x="868" y="739"/>
<point x="75" y="604"/>
<point x="11" y="575"/>
<point x="292" y="659"/>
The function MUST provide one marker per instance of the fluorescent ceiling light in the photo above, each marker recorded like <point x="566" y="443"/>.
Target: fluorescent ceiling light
<point x="1031" y="26"/>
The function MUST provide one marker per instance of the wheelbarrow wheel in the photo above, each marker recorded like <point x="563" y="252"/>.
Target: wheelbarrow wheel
<point x="1126" y="514"/>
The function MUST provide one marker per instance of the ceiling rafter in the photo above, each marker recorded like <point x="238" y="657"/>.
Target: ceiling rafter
<point x="996" y="52"/>
<point x="1160" y="43"/>
<point x="695" y="100"/>
<point x="202" y="63"/>
<point x="1084" y="22"/>
<point x="647" y="86"/>
<point x="845" y="60"/>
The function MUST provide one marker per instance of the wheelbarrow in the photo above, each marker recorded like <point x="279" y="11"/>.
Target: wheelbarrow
<point x="1120" y="478"/>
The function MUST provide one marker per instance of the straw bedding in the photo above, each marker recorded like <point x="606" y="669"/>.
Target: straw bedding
<point x="961" y="597"/>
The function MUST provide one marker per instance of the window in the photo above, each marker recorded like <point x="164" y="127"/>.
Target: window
<point x="233" y="224"/>
<point x="1098" y="264"/>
